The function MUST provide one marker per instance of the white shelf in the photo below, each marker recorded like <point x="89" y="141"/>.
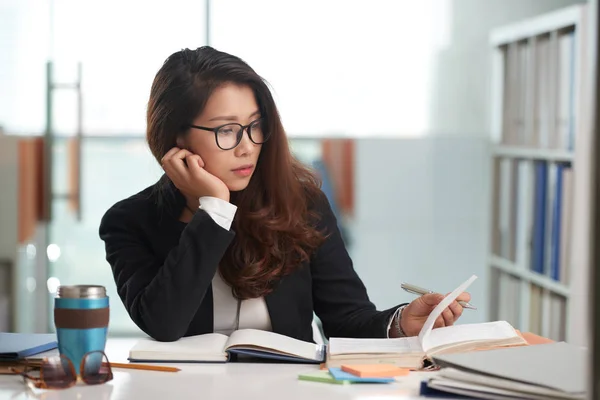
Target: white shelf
<point x="533" y="154"/>
<point x="563" y="18"/>
<point x="528" y="275"/>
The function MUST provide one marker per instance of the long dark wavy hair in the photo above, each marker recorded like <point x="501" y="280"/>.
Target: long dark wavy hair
<point x="275" y="227"/>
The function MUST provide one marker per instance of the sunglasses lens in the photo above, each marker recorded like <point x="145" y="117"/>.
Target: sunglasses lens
<point x="58" y="373"/>
<point x="96" y="368"/>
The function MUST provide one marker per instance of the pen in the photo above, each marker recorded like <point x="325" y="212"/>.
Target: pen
<point x="420" y="291"/>
<point x="144" y="367"/>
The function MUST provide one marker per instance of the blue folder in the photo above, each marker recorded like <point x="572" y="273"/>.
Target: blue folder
<point x="539" y="217"/>
<point x="15" y="346"/>
<point x="557" y="210"/>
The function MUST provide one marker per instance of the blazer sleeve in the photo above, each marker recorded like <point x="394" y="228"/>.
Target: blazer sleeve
<point x="339" y="296"/>
<point x="162" y="297"/>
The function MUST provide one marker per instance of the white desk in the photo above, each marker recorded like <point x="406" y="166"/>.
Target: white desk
<point x="212" y="381"/>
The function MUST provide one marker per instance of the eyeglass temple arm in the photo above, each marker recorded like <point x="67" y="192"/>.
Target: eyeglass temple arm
<point x="26" y="375"/>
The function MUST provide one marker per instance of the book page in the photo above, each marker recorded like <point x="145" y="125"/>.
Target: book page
<point x="492" y="331"/>
<point x="207" y="344"/>
<point x="274" y="343"/>
<point x="437" y="311"/>
<point x="339" y="346"/>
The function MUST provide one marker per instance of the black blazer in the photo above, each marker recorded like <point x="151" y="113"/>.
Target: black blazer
<point x="163" y="270"/>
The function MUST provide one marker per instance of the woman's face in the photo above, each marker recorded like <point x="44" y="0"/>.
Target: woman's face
<point x="229" y="103"/>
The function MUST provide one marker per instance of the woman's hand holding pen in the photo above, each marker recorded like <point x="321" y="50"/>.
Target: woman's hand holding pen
<point x="415" y="314"/>
<point x="187" y="172"/>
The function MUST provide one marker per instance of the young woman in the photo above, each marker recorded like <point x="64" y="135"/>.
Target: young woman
<point x="236" y="234"/>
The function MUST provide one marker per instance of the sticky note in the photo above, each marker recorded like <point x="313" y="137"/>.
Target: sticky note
<point x="338" y="374"/>
<point x="375" y="370"/>
<point x="321" y="376"/>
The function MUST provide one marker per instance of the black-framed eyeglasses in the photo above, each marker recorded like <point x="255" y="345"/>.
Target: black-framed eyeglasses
<point x="228" y="136"/>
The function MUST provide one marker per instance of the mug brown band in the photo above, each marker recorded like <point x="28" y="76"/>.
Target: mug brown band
<point x="81" y="319"/>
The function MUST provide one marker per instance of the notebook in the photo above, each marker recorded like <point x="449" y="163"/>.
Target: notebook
<point x="416" y="352"/>
<point x="15" y="346"/>
<point x="216" y="347"/>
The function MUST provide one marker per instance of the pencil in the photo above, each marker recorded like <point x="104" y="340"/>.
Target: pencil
<point x="144" y="367"/>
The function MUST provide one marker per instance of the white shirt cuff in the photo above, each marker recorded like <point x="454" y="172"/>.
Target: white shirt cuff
<point x="396" y="313"/>
<point x="221" y="211"/>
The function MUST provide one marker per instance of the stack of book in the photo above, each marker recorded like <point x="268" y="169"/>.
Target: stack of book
<point x="547" y="371"/>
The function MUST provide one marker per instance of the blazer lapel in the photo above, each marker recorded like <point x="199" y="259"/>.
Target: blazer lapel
<point x="280" y="306"/>
<point x="290" y="305"/>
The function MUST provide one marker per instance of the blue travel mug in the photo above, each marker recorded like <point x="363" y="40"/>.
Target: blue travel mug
<point x="81" y="315"/>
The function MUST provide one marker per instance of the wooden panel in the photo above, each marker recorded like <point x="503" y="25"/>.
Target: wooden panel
<point x="30" y="203"/>
<point x="338" y="157"/>
<point x="74" y="160"/>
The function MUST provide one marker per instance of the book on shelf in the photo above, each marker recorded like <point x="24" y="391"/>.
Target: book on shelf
<point x="565" y="225"/>
<point x="538" y="104"/>
<point x="216" y="347"/>
<point x="565" y="85"/>
<point x="415" y="352"/>
<point x="538" y="253"/>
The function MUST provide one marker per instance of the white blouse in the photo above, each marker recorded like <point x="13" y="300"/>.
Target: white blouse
<point x="253" y="312"/>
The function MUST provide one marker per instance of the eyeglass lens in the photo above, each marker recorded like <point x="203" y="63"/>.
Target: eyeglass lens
<point x="58" y="372"/>
<point x="95" y="368"/>
<point x="229" y="136"/>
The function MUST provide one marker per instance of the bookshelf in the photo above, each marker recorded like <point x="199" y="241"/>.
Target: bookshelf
<point x="551" y="155"/>
<point x="536" y="81"/>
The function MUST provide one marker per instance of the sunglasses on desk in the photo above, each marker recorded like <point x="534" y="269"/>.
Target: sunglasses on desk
<point x="59" y="372"/>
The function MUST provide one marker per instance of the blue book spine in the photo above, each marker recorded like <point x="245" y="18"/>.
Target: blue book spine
<point x="556" y="226"/>
<point x="539" y="222"/>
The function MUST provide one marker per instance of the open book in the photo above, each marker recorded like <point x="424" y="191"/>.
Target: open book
<point x="413" y="352"/>
<point x="216" y="347"/>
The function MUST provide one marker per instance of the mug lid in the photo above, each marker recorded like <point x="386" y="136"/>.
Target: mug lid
<point x="82" y="292"/>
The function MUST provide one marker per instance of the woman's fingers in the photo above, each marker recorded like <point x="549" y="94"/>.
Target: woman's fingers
<point x="176" y="162"/>
<point x="168" y="155"/>
<point x="448" y="317"/>
<point x="456" y="309"/>
<point x="194" y="164"/>
<point x="439" y="322"/>
<point x="465" y="296"/>
<point x="175" y="155"/>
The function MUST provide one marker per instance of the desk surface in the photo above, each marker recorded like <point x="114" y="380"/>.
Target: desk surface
<point x="212" y="381"/>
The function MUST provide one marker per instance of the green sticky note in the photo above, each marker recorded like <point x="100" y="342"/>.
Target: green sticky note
<point x="321" y="376"/>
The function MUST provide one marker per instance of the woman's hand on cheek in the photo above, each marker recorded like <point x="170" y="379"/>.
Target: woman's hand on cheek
<point x="187" y="172"/>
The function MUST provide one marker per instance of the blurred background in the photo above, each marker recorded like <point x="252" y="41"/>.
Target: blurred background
<point x="396" y="104"/>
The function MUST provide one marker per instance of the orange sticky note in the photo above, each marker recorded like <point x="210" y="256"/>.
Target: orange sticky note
<point x="375" y="370"/>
